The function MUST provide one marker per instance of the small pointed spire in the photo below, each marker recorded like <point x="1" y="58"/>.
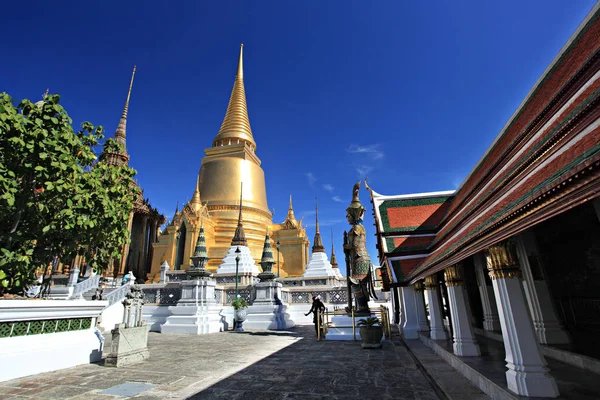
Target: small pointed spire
<point x="236" y="124"/>
<point x="196" y="203"/>
<point x="239" y="238"/>
<point x="121" y="133"/>
<point x="318" y="245"/>
<point x="45" y="94"/>
<point x="240" y="70"/>
<point x="290" y="219"/>
<point x="334" y="263"/>
<point x="177" y="208"/>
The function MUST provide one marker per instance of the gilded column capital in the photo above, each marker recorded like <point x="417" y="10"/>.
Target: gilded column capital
<point x="430" y="283"/>
<point x="502" y="261"/>
<point x="419" y="287"/>
<point x="452" y="276"/>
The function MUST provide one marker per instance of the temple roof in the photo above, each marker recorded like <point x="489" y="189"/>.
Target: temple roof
<point x="236" y="124"/>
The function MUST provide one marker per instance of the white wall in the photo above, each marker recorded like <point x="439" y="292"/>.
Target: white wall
<point x="32" y="354"/>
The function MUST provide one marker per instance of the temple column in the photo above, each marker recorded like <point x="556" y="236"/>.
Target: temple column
<point x="402" y="310"/>
<point x="527" y="374"/>
<point x="411" y="322"/>
<point x="464" y="340"/>
<point x="491" y="321"/>
<point x="420" y="306"/>
<point x="142" y="240"/>
<point x="123" y="263"/>
<point x="545" y="322"/>
<point x="437" y="331"/>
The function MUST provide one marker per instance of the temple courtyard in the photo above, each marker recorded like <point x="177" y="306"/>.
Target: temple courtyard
<point x="256" y="365"/>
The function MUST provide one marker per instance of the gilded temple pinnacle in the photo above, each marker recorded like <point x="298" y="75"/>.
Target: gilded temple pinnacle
<point x="236" y="124"/>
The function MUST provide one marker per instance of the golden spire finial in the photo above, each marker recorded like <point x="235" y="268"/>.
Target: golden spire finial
<point x="318" y="246"/>
<point x="195" y="203"/>
<point x="334" y="263"/>
<point x="121" y="132"/>
<point x="240" y="69"/>
<point x="239" y="238"/>
<point x="290" y="215"/>
<point x="236" y="124"/>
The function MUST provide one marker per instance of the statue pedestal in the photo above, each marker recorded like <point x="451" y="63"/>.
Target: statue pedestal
<point x="197" y="312"/>
<point x="267" y="313"/>
<point x="129" y="346"/>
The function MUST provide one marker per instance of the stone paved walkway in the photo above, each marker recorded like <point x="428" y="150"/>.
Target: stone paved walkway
<point x="251" y="365"/>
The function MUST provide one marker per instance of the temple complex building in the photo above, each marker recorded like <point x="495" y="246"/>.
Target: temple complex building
<point x="514" y="253"/>
<point x="230" y="161"/>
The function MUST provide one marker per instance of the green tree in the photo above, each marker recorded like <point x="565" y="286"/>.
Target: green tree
<point x="55" y="199"/>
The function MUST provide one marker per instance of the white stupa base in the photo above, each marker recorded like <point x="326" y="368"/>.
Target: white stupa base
<point x="268" y="317"/>
<point x="337" y="272"/>
<point x="318" y="266"/>
<point x="193" y="320"/>
<point x="246" y="265"/>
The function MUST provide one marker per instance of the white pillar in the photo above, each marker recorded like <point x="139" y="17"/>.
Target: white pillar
<point x="420" y="305"/>
<point x="437" y="331"/>
<point x="545" y="322"/>
<point x="491" y="321"/>
<point x="527" y="374"/>
<point x="411" y="323"/>
<point x="402" y="311"/>
<point x="464" y="340"/>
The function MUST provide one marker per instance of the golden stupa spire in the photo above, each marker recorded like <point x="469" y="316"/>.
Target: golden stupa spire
<point x="236" y="124"/>
<point x="334" y="263"/>
<point x="121" y="132"/>
<point x="290" y="214"/>
<point x="318" y="245"/>
<point x="239" y="238"/>
<point x="195" y="203"/>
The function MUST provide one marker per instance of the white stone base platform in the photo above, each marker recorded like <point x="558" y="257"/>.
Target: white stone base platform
<point x="194" y="320"/>
<point x="268" y="317"/>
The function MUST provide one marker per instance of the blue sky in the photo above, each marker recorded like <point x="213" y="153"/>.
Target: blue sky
<point x="409" y="93"/>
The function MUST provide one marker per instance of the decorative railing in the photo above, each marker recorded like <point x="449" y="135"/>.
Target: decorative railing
<point x="244" y="293"/>
<point x="219" y="296"/>
<point x="330" y="296"/>
<point x="80" y="288"/>
<point x="285" y="297"/>
<point x="161" y="295"/>
<point x="28" y="328"/>
<point x="117" y="294"/>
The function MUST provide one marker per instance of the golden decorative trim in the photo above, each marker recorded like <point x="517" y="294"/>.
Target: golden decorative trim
<point x="452" y="276"/>
<point x="221" y="207"/>
<point x="502" y="261"/>
<point x="430" y="283"/>
<point x="419" y="287"/>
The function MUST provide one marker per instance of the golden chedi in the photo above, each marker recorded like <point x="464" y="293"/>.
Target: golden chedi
<point x="229" y="163"/>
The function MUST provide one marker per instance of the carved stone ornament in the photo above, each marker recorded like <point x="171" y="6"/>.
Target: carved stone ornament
<point x="502" y="261"/>
<point x="452" y="276"/>
<point x="430" y="283"/>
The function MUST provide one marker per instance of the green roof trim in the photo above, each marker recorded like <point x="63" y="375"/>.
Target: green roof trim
<point x="390" y="245"/>
<point x="397" y="270"/>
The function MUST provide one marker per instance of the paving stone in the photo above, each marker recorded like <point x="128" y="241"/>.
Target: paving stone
<point x="269" y="365"/>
